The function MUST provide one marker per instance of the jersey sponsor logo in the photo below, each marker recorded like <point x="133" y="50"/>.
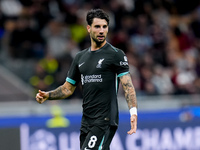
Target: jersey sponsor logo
<point x="100" y="63"/>
<point x="123" y="63"/>
<point x="81" y="64"/>
<point x="91" y="78"/>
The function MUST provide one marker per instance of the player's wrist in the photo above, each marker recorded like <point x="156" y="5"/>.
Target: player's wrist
<point x="133" y="111"/>
<point x="48" y="96"/>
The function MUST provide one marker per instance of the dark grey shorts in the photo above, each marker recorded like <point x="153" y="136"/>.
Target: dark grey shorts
<point x="96" y="138"/>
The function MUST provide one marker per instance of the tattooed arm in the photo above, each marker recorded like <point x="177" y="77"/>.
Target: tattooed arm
<point x="130" y="96"/>
<point x="61" y="92"/>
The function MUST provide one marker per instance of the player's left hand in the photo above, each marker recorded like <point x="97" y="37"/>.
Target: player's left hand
<point x="133" y="120"/>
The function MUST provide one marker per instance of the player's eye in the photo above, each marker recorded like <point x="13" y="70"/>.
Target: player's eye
<point x="97" y="26"/>
<point x="105" y="26"/>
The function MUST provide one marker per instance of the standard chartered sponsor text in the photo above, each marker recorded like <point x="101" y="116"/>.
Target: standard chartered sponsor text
<point x="91" y="78"/>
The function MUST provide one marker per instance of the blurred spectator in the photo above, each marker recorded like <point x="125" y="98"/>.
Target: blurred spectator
<point x="78" y="31"/>
<point x="185" y="80"/>
<point x="58" y="119"/>
<point x="158" y="50"/>
<point x="195" y="23"/>
<point x="141" y="40"/>
<point x="149" y="89"/>
<point x="10" y="8"/>
<point x="146" y="74"/>
<point x="120" y="40"/>
<point x="24" y="41"/>
<point x="161" y="16"/>
<point x="40" y="13"/>
<point x="184" y="41"/>
<point x="57" y="37"/>
<point x="162" y="81"/>
<point x="45" y="71"/>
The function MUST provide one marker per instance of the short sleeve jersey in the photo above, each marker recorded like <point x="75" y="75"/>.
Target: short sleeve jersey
<point x="98" y="72"/>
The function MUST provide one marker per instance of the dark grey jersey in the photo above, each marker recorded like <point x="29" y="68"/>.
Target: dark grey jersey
<point x="98" y="71"/>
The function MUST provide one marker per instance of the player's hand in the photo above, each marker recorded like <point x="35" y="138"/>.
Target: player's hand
<point x="41" y="96"/>
<point x="133" y="120"/>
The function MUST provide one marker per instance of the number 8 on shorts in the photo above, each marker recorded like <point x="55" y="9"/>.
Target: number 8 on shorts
<point x="92" y="141"/>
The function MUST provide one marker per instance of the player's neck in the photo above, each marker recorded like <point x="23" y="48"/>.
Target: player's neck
<point x="95" y="46"/>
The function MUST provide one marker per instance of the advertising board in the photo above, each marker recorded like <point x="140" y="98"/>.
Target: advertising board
<point x="164" y="130"/>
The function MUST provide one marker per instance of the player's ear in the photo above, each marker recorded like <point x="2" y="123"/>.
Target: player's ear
<point x="88" y="28"/>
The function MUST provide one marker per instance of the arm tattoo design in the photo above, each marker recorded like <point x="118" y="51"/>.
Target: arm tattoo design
<point x="60" y="93"/>
<point x="56" y="94"/>
<point x="129" y="90"/>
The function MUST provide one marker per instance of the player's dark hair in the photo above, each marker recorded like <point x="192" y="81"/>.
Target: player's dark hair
<point x="96" y="13"/>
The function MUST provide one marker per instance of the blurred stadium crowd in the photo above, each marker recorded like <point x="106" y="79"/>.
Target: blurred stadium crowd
<point x="161" y="38"/>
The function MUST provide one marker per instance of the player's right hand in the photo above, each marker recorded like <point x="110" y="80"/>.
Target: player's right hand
<point x="41" y="96"/>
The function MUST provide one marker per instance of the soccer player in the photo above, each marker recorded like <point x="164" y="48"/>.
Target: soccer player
<point x="99" y="68"/>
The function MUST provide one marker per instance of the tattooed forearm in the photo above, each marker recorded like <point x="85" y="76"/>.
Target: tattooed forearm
<point x="56" y="94"/>
<point x="129" y="90"/>
<point x="61" y="92"/>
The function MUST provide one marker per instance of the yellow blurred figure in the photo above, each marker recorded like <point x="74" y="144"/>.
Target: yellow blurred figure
<point x="58" y="120"/>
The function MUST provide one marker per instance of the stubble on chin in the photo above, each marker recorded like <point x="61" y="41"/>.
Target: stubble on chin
<point x="98" y="42"/>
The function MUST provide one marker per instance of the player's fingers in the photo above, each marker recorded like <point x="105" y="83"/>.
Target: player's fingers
<point x="133" y="128"/>
<point x="42" y="93"/>
<point x="40" y="100"/>
<point x="38" y="96"/>
<point x="133" y="125"/>
<point x="131" y="131"/>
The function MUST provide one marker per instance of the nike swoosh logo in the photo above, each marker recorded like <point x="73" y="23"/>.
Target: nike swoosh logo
<point x="86" y="149"/>
<point x="81" y="64"/>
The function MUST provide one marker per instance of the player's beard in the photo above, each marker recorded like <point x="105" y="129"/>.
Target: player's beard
<point x="97" y="41"/>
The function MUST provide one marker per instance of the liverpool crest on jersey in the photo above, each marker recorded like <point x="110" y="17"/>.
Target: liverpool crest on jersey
<point x="100" y="63"/>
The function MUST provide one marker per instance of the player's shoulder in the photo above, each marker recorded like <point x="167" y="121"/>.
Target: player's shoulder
<point x="114" y="49"/>
<point x="82" y="52"/>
